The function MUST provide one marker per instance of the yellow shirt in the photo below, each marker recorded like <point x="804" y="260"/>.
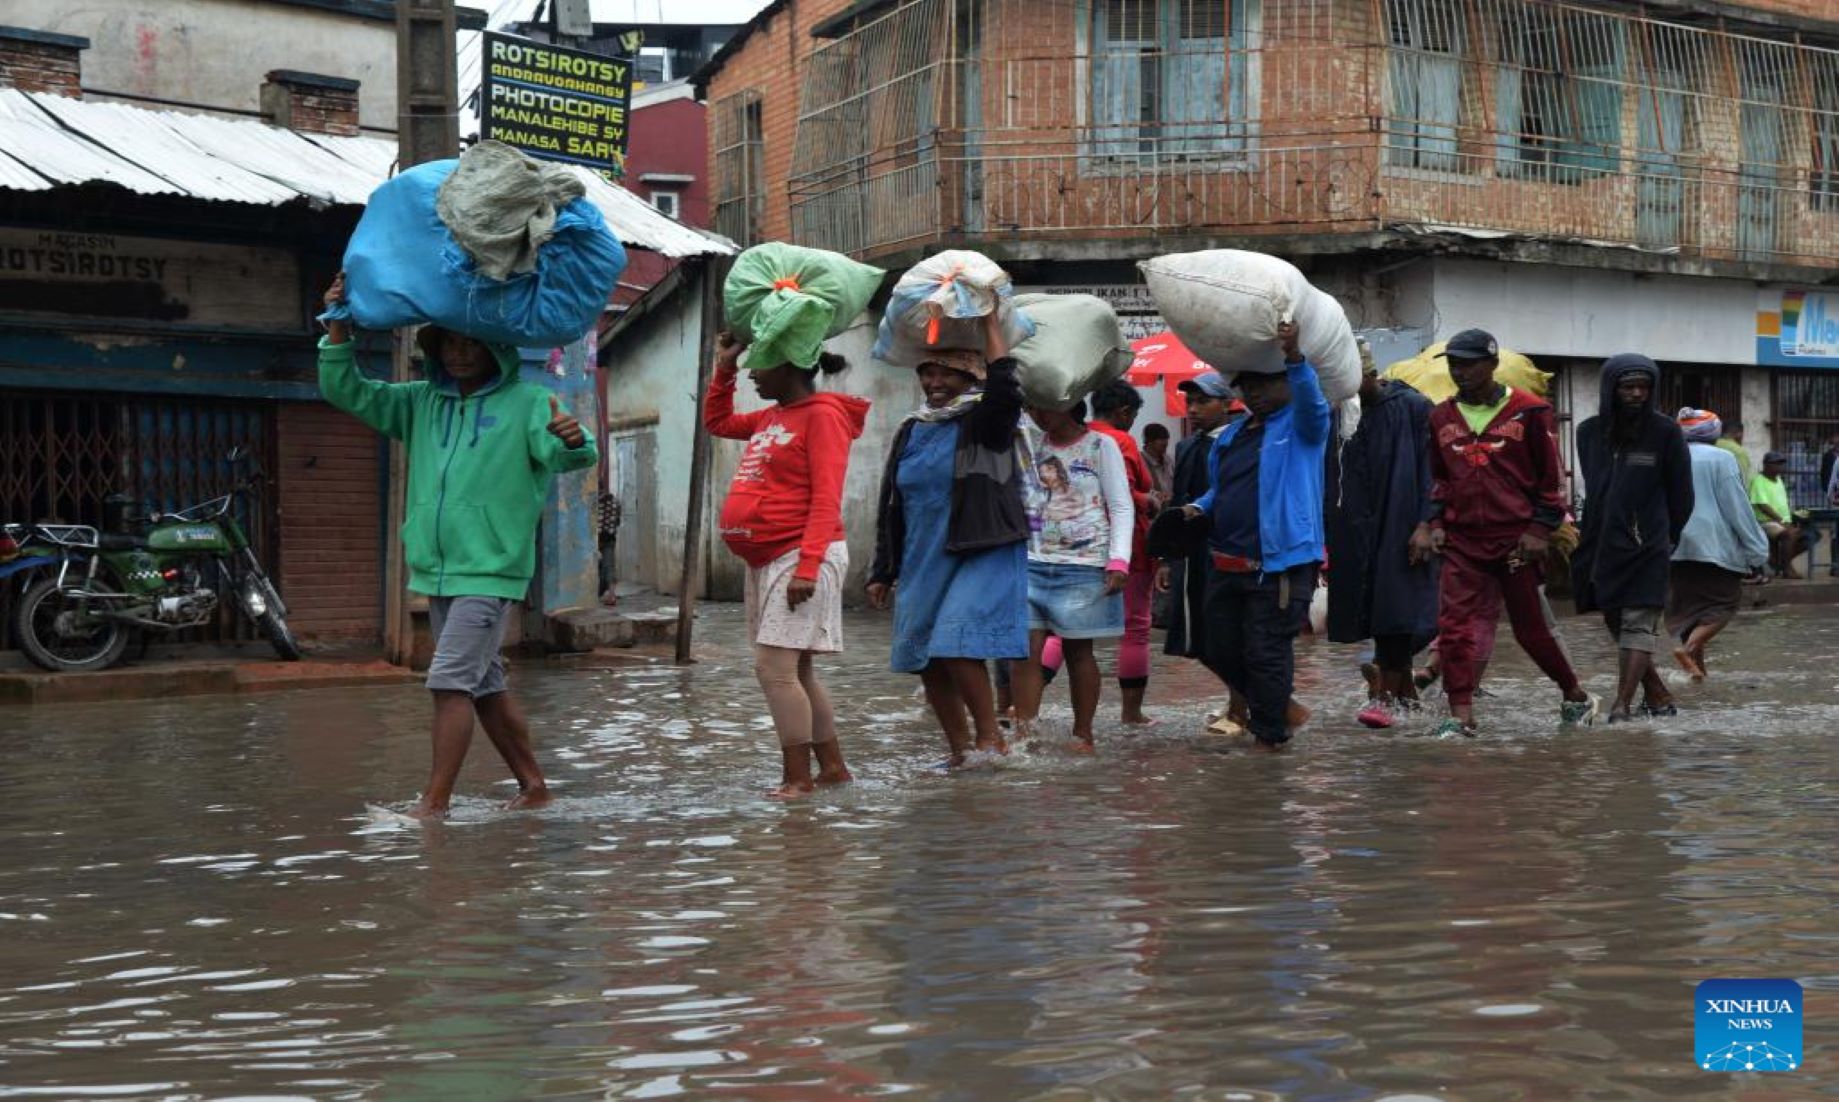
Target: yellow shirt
<point x="1479" y="417"/>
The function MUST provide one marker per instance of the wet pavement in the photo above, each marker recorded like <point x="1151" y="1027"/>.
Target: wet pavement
<point x="195" y="903"/>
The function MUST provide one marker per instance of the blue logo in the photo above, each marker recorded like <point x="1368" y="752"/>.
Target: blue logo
<point x="1747" y="1025"/>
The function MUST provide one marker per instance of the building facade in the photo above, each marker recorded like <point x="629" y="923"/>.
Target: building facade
<point x="1580" y="178"/>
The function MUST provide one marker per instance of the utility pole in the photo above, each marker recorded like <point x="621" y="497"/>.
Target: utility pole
<point x="427" y="129"/>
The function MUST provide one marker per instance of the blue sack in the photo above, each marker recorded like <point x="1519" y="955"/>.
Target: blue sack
<point x="403" y="267"/>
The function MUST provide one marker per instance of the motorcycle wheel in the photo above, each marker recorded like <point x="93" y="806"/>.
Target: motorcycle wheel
<point x="54" y="638"/>
<point x="280" y="636"/>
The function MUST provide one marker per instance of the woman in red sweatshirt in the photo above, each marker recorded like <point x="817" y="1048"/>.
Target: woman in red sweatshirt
<point x="784" y="518"/>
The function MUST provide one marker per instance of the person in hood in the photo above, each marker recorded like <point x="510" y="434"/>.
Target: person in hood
<point x="951" y="538"/>
<point x="1378" y="497"/>
<point x="483" y="446"/>
<point x="784" y="518"/>
<point x="1496" y="499"/>
<point x="1637" y="499"/>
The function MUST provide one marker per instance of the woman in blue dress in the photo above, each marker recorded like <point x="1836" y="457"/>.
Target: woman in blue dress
<point x="951" y="541"/>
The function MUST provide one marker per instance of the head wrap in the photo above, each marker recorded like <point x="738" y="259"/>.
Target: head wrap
<point x="1701" y="426"/>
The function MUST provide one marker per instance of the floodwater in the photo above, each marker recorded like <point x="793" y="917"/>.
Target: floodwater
<point x="195" y="904"/>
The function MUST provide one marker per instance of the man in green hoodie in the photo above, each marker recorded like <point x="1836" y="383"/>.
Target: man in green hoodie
<point x="483" y="445"/>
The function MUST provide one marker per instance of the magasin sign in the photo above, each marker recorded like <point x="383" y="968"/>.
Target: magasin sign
<point x="1797" y="328"/>
<point x="556" y="103"/>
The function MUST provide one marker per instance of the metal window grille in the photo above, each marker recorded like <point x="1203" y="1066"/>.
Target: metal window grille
<point x="1804" y="418"/>
<point x="1133" y="118"/>
<point x="740" y="166"/>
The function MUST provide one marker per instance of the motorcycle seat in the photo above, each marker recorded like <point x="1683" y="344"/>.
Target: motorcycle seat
<point x="121" y="541"/>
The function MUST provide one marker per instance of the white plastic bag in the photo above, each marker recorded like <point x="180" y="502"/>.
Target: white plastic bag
<point x="941" y="303"/>
<point x="1226" y="304"/>
<point x="1076" y="348"/>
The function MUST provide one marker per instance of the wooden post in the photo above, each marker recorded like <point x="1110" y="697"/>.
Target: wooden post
<point x="427" y="129"/>
<point x="714" y="272"/>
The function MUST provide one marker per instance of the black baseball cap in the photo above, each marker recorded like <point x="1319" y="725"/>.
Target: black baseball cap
<point x="1774" y="457"/>
<point x="1472" y="344"/>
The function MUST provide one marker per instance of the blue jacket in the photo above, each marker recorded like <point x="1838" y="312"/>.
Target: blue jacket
<point x="1289" y="474"/>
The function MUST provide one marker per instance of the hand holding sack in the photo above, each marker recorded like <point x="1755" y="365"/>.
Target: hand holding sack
<point x="494" y="245"/>
<point x="941" y="303"/>
<point x="784" y="301"/>
<point x="1226" y="305"/>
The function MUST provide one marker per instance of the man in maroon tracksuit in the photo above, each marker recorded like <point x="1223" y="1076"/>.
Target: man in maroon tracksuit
<point x="1496" y="498"/>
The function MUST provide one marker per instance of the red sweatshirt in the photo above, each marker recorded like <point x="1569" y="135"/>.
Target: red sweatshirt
<point x="788" y="490"/>
<point x="1496" y="485"/>
<point x="1141" y="483"/>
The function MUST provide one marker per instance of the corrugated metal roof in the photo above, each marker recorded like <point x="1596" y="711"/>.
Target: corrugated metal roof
<point x="49" y="141"/>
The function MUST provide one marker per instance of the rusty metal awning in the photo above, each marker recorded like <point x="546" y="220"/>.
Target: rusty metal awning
<point x="49" y="141"/>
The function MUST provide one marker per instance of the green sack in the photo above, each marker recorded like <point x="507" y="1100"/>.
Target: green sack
<point x="782" y="301"/>
<point x="1076" y="348"/>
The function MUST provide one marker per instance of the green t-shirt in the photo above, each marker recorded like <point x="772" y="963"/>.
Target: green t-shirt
<point x="1742" y="455"/>
<point x="1479" y="417"/>
<point x="1772" y="492"/>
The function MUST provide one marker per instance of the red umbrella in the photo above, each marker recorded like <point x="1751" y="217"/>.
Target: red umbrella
<point x="1163" y="356"/>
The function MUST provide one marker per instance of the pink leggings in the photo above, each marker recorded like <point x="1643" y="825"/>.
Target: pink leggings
<point x="799" y="705"/>
<point x="1133" y="648"/>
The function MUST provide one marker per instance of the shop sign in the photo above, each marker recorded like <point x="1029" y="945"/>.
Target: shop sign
<point x="1797" y="328"/>
<point x="104" y="275"/>
<point x="556" y="103"/>
<point x="1137" y="314"/>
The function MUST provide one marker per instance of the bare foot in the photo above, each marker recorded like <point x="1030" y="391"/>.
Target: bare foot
<point x="839" y="776"/>
<point x="1688" y="663"/>
<point x="529" y="800"/>
<point x="1137" y="720"/>
<point x="426" y="813"/>
<point x="1083" y="746"/>
<point x="793" y="790"/>
<point x="1295" y="715"/>
<point x="997" y="745"/>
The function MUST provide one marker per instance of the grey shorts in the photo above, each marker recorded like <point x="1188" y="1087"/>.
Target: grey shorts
<point x="468" y="644"/>
<point x="1635" y="628"/>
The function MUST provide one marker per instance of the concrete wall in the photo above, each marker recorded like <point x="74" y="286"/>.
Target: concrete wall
<point x="216" y="53"/>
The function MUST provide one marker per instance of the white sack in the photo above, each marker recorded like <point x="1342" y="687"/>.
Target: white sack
<point x="1076" y="348"/>
<point x="941" y="303"/>
<point x="1226" y="304"/>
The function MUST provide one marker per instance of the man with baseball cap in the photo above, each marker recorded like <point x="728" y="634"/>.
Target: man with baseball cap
<point x="1183" y="573"/>
<point x="1496" y="497"/>
<point x="1769" y="495"/>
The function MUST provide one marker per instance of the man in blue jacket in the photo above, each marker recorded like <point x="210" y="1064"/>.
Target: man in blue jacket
<point x="1264" y="512"/>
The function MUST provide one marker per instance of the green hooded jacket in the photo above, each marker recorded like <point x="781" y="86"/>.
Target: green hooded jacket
<point x="479" y="469"/>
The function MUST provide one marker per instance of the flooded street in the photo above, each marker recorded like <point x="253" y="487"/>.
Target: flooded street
<point x="195" y="904"/>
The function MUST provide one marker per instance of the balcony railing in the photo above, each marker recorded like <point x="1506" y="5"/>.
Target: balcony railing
<point x="1128" y="118"/>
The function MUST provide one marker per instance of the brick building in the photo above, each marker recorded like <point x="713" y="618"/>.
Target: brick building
<point x="1582" y="178"/>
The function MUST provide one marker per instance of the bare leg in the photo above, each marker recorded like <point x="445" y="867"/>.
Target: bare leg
<point x="504" y="723"/>
<point x="1701" y="636"/>
<point x="453" y="734"/>
<point x="777" y="670"/>
<point x="824" y="744"/>
<point x="1086" y="684"/>
<point x="948" y="706"/>
<point x="1654" y="691"/>
<point x="1027" y="682"/>
<point x="972" y="681"/>
<point x="1632" y="667"/>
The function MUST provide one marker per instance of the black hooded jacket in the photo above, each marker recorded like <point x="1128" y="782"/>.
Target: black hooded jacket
<point x="1637" y="498"/>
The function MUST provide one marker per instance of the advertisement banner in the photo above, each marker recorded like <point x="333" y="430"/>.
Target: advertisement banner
<point x="555" y="103"/>
<point x="1797" y="328"/>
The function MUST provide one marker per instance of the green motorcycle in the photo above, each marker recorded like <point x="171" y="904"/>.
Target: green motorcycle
<point x="89" y="591"/>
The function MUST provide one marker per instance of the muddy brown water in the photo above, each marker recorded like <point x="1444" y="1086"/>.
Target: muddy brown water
<point x="194" y="903"/>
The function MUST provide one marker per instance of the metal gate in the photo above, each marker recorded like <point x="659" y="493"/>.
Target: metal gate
<point x="62" y="454"/>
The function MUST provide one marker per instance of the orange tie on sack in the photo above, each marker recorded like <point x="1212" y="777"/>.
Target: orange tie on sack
<point x="786" y="283"/>
<point x="932" y="323"/>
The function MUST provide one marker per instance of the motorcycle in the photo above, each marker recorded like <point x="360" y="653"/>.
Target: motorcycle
<point x="96" y="589"/>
